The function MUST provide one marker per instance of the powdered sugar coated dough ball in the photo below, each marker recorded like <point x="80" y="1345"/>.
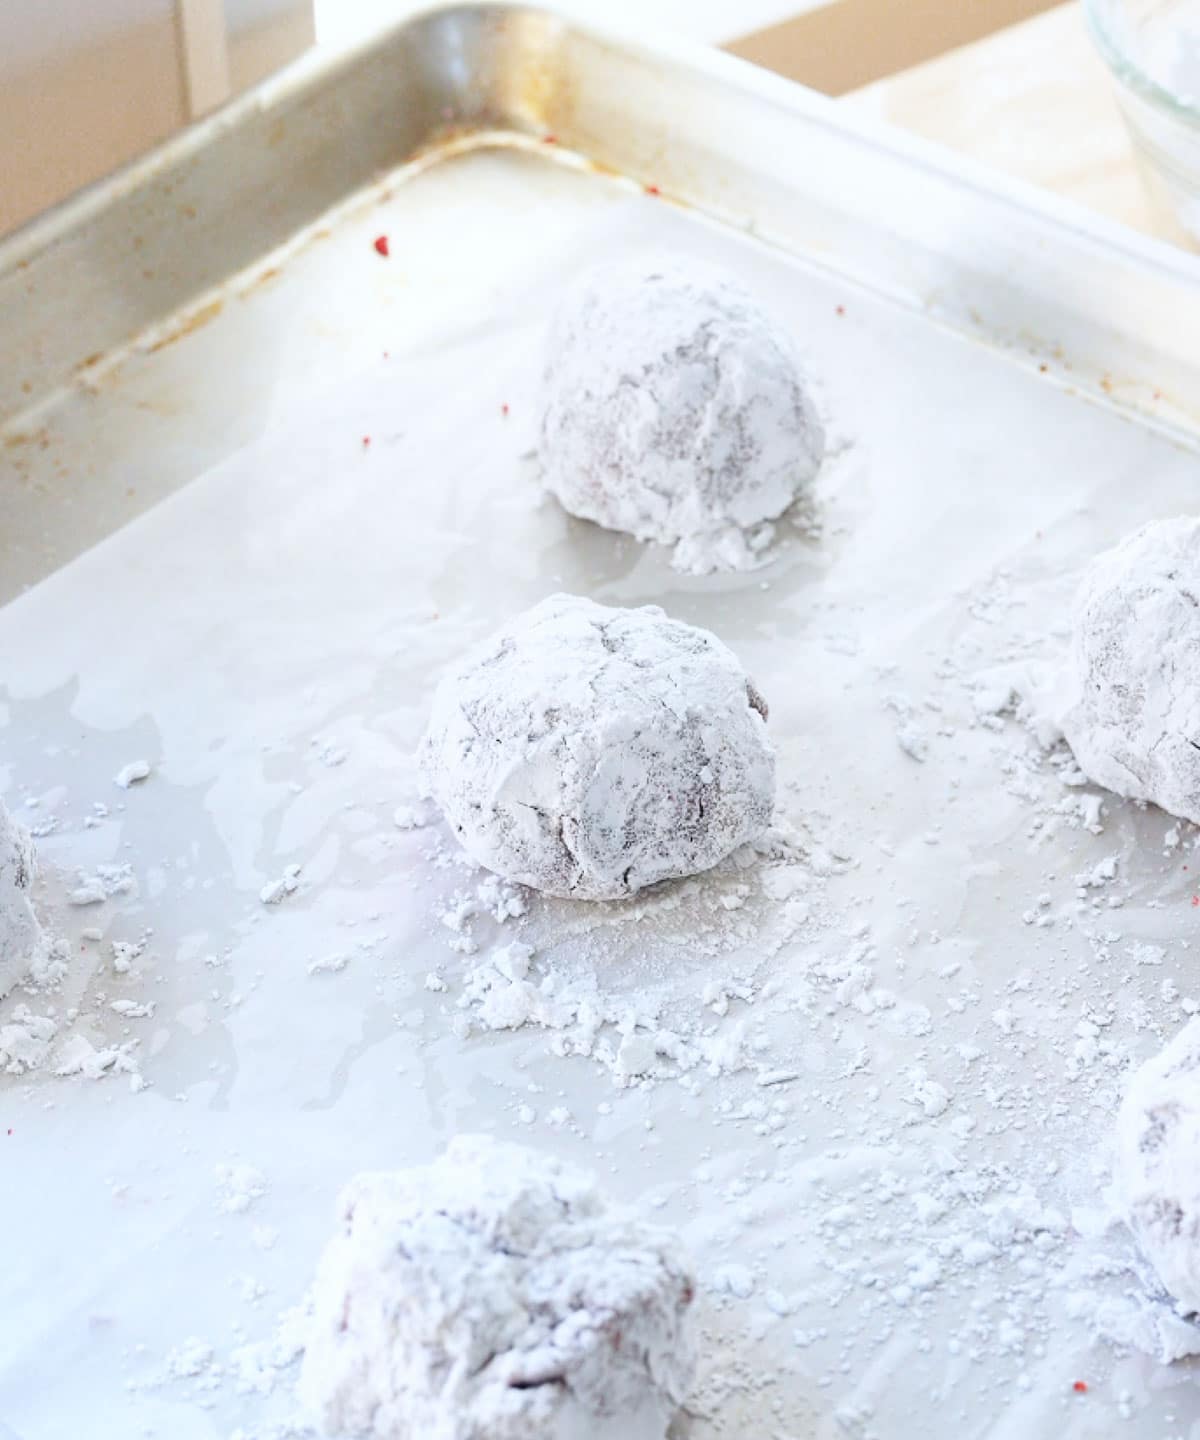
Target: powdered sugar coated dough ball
<point x="1134" y="715"/>
<point x="1157" y="1174"/>
<point x="589" y="751"/>
<point x="494" y="1295"/>
<point x="676" y="410"/>
<point x="23" y="944"/>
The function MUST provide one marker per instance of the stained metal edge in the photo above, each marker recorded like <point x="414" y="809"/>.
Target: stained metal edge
<point x="988" y="255"/>
<point x="133" y="249"/>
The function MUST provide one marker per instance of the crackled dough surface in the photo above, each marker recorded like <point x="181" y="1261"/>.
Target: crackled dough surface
<point x="495" y="1295"/>
<point x="676" y="410"/>
<point x="589" y="752"/>
<point x="1133" y="718"/>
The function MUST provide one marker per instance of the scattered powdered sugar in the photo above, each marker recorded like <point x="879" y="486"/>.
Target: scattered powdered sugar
<point x="258" y="1366"/>
<point x="772" y="994"/>
<point x="495" y="1294"/>
<point x="34" y="961"/>
<point x="946" y="1208"/>
<point x="676" y="410"/>
<point x="245" y="1369"/>
<point x="583" y="976"/>
<point x="1074" y="1258"/>
<point x="52" y="1041"/>
<point x="38" y="1033"/>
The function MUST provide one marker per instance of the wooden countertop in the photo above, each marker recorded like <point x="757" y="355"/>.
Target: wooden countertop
<point x="1033" y="99"/>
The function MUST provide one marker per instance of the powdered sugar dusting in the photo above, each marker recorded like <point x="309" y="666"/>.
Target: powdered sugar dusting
<point x="1132" y="715"/>
<point x="676" y="410"/>
<point x="589" y="752"/>
<point x="495" y="1295"/>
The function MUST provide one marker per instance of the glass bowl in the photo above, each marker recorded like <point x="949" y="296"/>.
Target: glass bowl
<point x="1152" y="48"/>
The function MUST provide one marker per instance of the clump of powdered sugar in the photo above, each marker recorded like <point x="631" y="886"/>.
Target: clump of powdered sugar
<point x="1156" y="1177"/>
<point x="589" y="752"/>
<point x="676" y="410"/>
<point x="239" y="1187"/>
<point x="1133" y="714"/>
<point x="25" y="1040"/>
<point x="495" y="1295"/>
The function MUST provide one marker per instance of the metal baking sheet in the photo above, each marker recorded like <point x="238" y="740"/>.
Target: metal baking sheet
<point x="208" y="568"/>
